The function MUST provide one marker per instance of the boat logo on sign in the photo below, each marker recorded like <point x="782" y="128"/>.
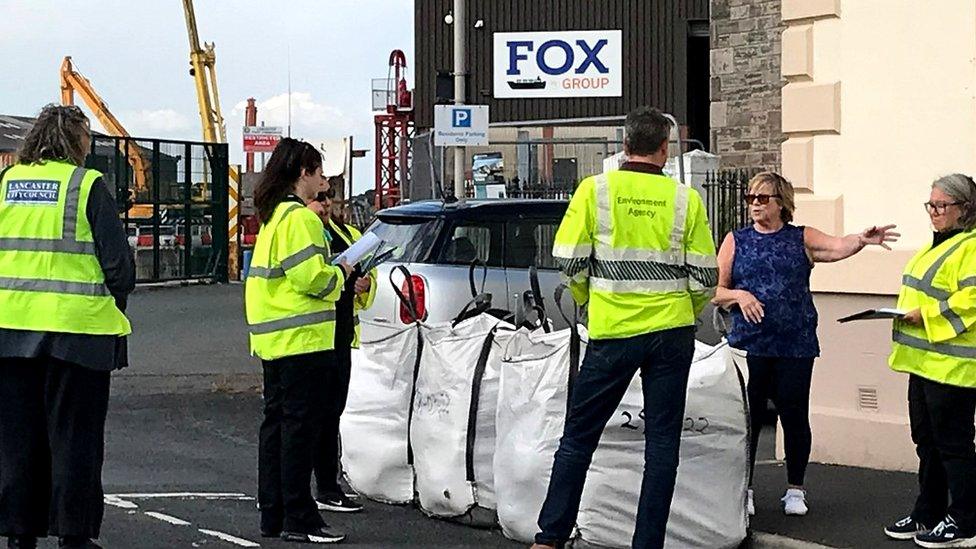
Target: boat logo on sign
<point x="33" y="192"/>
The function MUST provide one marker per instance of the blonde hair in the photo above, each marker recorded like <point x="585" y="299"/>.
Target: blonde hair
<point x="780" y="186"/>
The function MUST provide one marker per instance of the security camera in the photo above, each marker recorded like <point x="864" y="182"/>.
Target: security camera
<point x="449" y="18"/>
<point x="479" y="23"/>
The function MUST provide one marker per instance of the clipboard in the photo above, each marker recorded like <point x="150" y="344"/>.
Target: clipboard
<point x="872" y="314"/>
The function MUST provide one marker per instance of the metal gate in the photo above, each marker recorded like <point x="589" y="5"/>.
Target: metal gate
<point x="172" y="196"/>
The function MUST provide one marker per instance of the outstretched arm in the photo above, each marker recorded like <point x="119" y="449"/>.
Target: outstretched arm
<point x="824" y="248"/>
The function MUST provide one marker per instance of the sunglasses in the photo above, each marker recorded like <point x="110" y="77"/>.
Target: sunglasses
<point x="762" y="198"/>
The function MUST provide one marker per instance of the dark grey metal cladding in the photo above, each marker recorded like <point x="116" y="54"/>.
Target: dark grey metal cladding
<point x="655" y="37"/>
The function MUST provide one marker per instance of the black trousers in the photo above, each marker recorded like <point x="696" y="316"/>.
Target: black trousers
<point x="664" y="361"/>
<point x="787" y="382"/>
<point x="326" y="466"/>
<point x="943" y="431"/>
<point x="52" y="438"/>
<point x="293" y="405"/>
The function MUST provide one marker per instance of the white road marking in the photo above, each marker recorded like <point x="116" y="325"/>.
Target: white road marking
<point x="115" y="501"/>
<point x="229" y="538"/>
<point x="187" y="495"/>
<point x="770" y="462"/>
<point x="167" y="518"/>
<point x="762" y="539"/>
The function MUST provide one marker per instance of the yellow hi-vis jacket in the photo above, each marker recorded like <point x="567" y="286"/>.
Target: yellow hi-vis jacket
<point x="941" y="282"/>
<point x="638" y="249"/>
<point x="291" y="287"/>
<point x="50" y="277"/>
<point x="361" y="301"/>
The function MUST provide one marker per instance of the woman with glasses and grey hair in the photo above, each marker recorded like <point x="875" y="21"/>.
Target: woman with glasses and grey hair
<point x="764" y="281"/>
<point x="935" y="344"/>
<point x="65" y="273"/>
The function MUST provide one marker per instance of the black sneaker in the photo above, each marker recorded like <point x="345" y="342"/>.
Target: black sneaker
<point x="945" y="534"/>
<point x="21" y="542"/>
<point x="270" y="533"/>
<point x="338" y="504"/>
<point x="906" y="528"/>
<point x="324" y="534"/>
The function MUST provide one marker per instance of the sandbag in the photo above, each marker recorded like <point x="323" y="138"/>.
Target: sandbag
<point x="374" y="426"/>
<point x="532" y="397"/>
<point x="708" y="509"/>
<point x="453" y="428"/>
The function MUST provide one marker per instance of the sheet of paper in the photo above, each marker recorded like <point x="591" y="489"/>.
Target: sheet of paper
<point x="360" y="249"/>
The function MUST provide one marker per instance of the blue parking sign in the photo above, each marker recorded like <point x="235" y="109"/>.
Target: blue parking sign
<point x="461" y="118"/>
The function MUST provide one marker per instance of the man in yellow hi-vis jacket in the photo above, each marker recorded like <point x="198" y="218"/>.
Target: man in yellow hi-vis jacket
<point x="637" y="249"/>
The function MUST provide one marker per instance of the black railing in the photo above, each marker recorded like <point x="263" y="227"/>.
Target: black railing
<point x="725" y="200"/>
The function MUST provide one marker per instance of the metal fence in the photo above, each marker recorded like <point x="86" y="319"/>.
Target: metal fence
<point x="725" y="192"/>
<point x="172" y="196"/>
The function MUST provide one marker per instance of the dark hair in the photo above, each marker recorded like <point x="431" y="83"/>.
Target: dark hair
<point x="288" y="161"/>
<point x="647" y="130"/>
<point x="58" y="134"/>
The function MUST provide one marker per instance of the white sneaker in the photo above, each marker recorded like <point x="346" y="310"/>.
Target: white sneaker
<point x="795" y="502"/>
<point x="750" y="506"/>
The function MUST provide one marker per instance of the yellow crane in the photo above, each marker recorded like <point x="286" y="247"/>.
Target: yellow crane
<point x="71" y="82"/>
<point x="202" y="68"/>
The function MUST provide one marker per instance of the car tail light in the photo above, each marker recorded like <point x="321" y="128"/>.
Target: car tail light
<point x="419" y="294"/>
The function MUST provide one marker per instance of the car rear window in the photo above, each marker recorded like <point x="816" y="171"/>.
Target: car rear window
<point x="412" y="237"/>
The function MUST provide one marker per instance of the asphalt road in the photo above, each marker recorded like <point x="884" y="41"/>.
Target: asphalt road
<point x="182" y="444"/>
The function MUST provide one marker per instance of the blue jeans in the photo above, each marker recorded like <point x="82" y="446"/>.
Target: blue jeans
<point x="664" y="360"/>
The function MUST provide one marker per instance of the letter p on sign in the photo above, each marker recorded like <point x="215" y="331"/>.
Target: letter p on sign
<point x="461" y="118"/>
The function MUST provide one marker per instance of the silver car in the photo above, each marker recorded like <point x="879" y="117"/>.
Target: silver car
<point x="437" y="244"/>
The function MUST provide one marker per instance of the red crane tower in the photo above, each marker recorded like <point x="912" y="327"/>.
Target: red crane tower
<point x="394" y="128"/>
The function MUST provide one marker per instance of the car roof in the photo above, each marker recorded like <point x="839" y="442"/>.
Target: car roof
<point x="478" y="208"/>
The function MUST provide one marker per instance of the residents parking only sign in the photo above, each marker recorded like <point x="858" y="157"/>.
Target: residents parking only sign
<point x="261" y="138"/>
<point x="558" y="64"/>
<point x="460" y="125"/>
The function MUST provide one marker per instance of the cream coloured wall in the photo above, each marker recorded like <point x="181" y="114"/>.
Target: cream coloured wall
<point x="880" y="100"/>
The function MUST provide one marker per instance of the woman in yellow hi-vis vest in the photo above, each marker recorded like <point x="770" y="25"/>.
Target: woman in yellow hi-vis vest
<point x="357" y="294"/>
<point x="935" y="343"/>
<point x="290" y="299"/>
<point x="66" y="270"/>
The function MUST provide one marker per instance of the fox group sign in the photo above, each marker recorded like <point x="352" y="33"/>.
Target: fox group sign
<point x="558" y="64"/>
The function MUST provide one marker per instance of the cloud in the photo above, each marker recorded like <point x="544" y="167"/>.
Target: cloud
<point x="157" y="123"/>
<point x="308" y="116"/>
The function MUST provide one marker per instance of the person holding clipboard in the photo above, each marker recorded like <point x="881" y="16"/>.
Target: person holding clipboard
<point x="357" y="294"/>
<point x="935" y="344"/>
<point x="764" y="281"/>
<point x="290" y="302"/>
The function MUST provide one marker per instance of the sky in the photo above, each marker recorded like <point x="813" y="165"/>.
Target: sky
<point x="136" y="54"/>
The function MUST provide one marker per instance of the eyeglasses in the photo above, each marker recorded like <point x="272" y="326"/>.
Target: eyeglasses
<point x="762" y="198"/>
<point x="939" y="208"/>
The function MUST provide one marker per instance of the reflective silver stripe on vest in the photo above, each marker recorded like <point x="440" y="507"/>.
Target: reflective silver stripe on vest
<point x="955" y="320"/>
<point x="90" y="289"/>
<point x="70" y="227"/>
<point x="636" y="270"/>
<point x="604" y="213"/>
<point x="46" y="245"/>
<point x="309" y="319"/>
<point x="925" y="284"/>
<point x="680" y="214"/>
<point x="328" y="288"/>
<point x="265" y="272"/>
<point x="702" y="277"/>
<point x="288" y="262"/>
<point x="638" y="286"/>
<point x="638" y="254"/>
<point x="958" y="351"/>
<point x="967" y="282"/>
<point x="568" y="251"/>
<point x="572" y="267"/>
<point x="302" y="255"/>
<point x="930" y="274"/>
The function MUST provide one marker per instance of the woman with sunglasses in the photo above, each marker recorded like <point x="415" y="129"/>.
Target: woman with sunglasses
<point x="764" y="281"/>
<point x="935" y="344"/>
<point x="357" y="294"/>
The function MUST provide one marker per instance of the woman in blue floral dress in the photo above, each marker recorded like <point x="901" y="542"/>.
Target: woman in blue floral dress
<point x="764" y="281"/>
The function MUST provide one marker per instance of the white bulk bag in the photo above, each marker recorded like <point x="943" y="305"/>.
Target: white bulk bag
<point x="532" y="401"/>
<point x="708" y="509"/>
<point x="374" y="425"/>
<point x="453" y="448"/>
